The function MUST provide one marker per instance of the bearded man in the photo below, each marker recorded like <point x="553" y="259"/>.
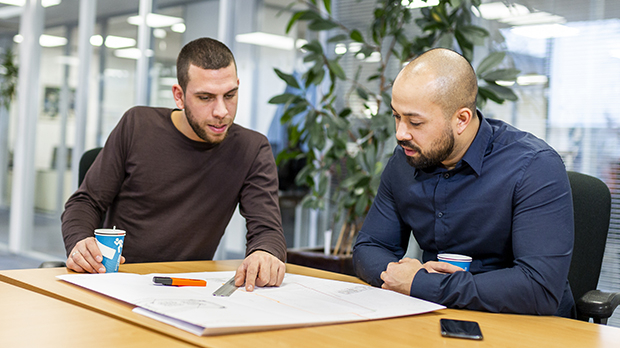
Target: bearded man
<point x="465" y="184"/>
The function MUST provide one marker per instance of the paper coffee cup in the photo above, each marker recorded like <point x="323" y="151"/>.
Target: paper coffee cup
<point x="462" y="261"/>
<point x="110" y="243"/>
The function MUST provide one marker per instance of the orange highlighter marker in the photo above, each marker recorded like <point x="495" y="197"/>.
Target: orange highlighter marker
<point x="179" y="281"/>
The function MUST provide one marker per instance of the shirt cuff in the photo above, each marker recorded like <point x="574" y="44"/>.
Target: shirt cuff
<point x="426" y="286"/>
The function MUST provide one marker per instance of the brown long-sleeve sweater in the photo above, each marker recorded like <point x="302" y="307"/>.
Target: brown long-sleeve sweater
<point x="175" y="196"/>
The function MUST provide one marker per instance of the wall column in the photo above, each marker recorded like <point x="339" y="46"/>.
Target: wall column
<point x="22" y="196"/>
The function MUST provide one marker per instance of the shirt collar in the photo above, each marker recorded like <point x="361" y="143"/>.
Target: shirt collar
<point x="480" y="146"/>
<point x="476" y="151"/>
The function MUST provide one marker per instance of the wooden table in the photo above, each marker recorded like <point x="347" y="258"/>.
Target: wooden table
<point x="500" y="330"/>
<point x="28" y="319"/>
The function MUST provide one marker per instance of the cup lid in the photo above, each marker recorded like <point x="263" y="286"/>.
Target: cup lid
<point x="454" y="257"/>
<point x="110" y="231"/>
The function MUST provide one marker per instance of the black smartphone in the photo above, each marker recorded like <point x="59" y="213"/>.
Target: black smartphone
<point x="460" y="329"/>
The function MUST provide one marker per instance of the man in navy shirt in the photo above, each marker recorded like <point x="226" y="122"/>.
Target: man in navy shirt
<point x="465" y="184"/>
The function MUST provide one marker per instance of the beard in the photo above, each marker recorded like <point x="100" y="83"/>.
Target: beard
<point x="440" y="150"/>
<point x="200" y="130"/>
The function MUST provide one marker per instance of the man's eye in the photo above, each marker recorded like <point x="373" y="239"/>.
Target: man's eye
<point x="204" y="98"/>
<point x="396" y="116"/>
<point x="415" y="124"/>
<point x="230" y="96"/>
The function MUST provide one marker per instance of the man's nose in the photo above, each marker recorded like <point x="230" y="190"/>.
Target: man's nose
<point x="220" y="109"/>
<point x="402" y="132"/>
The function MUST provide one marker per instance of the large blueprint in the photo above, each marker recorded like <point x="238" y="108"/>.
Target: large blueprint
<point x="300" y="301"/>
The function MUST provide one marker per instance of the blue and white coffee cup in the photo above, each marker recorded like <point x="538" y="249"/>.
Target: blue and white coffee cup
<point x="110" y="243"/>
<point x="462" y="261"/>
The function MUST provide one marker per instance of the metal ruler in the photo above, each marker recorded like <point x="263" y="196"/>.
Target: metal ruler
<point x="227" y="289"/>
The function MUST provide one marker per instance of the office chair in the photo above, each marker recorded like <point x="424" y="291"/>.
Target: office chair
<point x="85" y="162"/>
<point x="592" y="210"/>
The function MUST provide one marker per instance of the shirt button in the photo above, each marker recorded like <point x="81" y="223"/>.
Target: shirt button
<point x="446" y="175"/>
<point x="440" y="214"/>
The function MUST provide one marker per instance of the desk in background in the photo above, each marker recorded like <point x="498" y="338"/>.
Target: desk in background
<point x="499" y="330"/>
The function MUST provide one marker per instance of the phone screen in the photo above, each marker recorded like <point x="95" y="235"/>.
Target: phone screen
<point x="460" y="329"/>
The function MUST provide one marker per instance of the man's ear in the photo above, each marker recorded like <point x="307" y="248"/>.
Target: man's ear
<point x="177" y="94"/>
<point x="463" y="118"/>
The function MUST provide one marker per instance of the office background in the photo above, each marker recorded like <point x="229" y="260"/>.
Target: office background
<point x="568" y="52"/>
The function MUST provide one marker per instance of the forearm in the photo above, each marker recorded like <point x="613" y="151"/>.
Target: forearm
<point x="79" y="220"/>
<point x="511" y="290"/>
<point x="370" y="260"/>
<point x="259" y="205"/>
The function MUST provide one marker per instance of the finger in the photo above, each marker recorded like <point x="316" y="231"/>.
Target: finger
<point x="93" y="249"/>
<point x="92" y="255"/>
<point x="264" y="272"/>
<point x="74" y="266"/>
<point x="383" y="275"/>
<point x="250" y="276"/>
<point x="240" y="275"/>
<point x="281" y="273"/>
<point x="273" y="276"/>
<point x="441" y="267"/>
<point x="78" y="259"/>
<point x="122" y="259"/>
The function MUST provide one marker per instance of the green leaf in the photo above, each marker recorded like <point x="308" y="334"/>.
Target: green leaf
<point x="282" y="98"/>
<point x="318" y="76"/>
<point x="305" y="176"/>
<point x="356" y="36"/>
<point x="338" y="38"/>
<point x="294" y="18"/>
<point x="502" y="92"/>
<point x="314" y="46"/>
<point x="336" y="69"/>
<point x="328" y="6"/>
<point x="446" y="40"/>
<point x="345" y="112"/>
<point x="360" y="206"/>
<point x="490" y="62"/>
<point x="362" y="93"/>
<point x="387" y="99"/>
<point x="292" y="111"/>
<point x="310" y="15"/>
<point x="501" y="75"/>
<point x="489" y="94"/>
<point x="352" y="180"/>
<point x="473" y="34"/>
<point x="322" y="24"/>
<point x="289" y="79"/>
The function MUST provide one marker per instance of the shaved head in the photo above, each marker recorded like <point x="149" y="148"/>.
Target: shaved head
<point x="450" y="81"/>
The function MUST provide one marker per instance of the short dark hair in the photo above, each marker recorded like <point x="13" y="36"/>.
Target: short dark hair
<point x="205" y="53"/>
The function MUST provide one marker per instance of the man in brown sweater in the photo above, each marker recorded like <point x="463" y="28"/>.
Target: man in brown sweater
<point x="173" y="178"/>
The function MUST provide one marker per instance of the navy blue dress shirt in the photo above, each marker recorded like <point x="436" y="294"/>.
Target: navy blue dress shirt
<point x="507" y="204"/>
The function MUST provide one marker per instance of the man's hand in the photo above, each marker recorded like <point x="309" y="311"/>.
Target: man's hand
<point x="441" y="267"/>
<point x="260" y="268"/>
<point x="399" y="275"/>
<point x="86" y="257"/>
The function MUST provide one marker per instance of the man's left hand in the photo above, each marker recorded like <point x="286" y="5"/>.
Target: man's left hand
<point x="260" y="268"/>
<point x="399" y="275"/>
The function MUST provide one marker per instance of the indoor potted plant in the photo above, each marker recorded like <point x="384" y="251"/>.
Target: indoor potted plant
<point x="346" y="134"/>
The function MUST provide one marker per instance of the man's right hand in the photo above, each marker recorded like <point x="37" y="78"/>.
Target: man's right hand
<point x="86" y="257"/>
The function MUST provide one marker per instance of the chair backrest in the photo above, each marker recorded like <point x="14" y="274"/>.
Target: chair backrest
<point x="592" y="210"/>
<point x="85" y="162"/>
